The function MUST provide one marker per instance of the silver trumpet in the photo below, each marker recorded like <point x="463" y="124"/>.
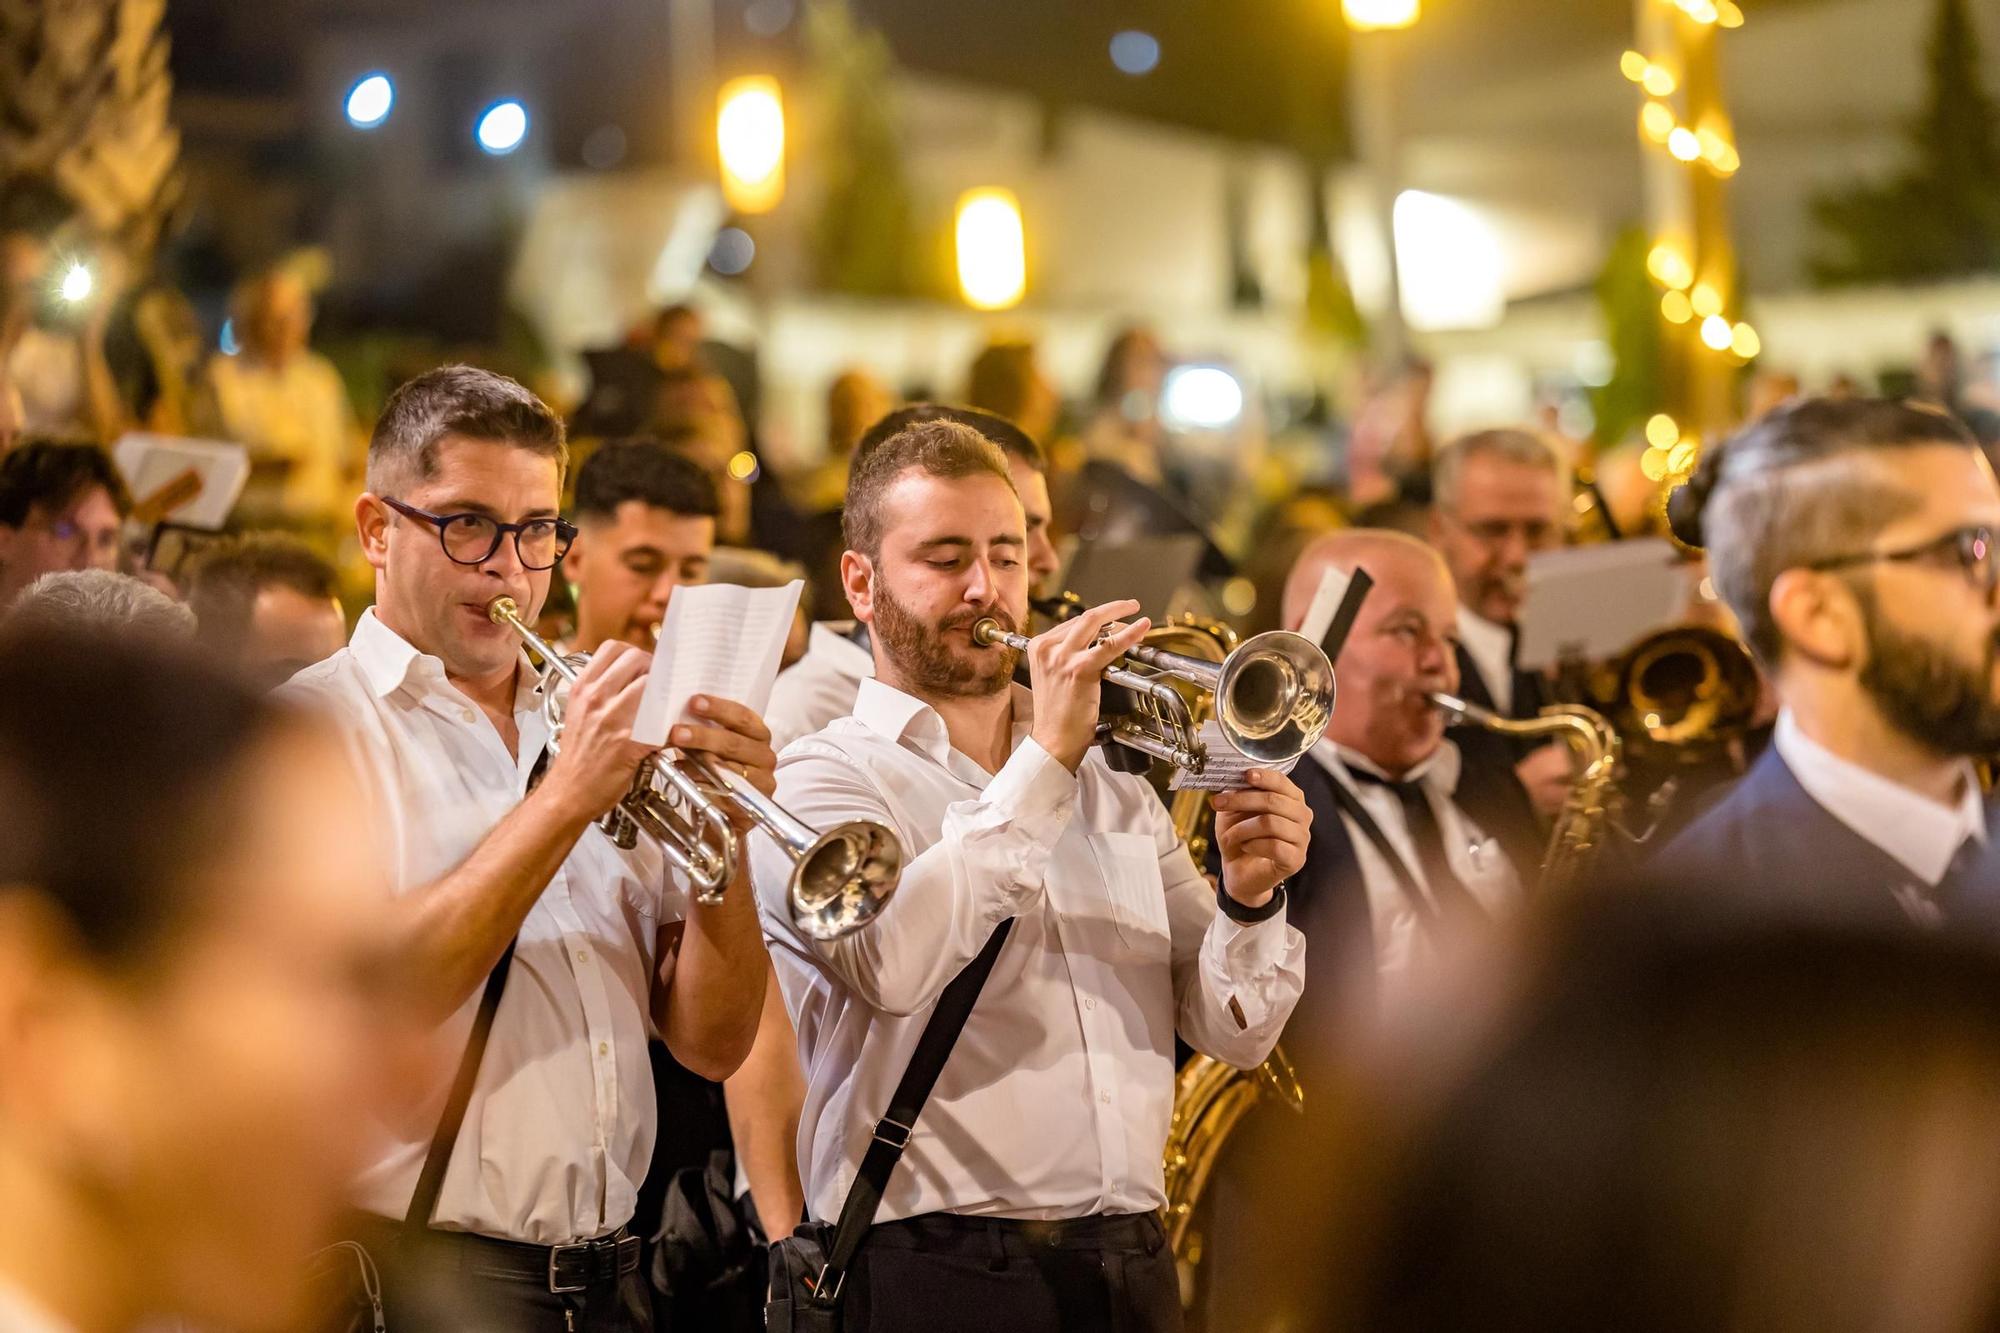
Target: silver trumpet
<point x="840" y="878"/>
<point x="1273" y="697"/>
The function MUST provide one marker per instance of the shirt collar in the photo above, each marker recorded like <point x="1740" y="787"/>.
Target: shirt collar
<point x="904" y="718"/>
<point x="1439" y="770"/>
<point x="386" y="658"/>
<point x="847" y="658"/>
<point x="1487" y="640"/>
<point x="1918" y="832"/>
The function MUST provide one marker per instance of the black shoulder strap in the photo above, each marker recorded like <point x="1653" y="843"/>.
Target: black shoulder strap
<point x="430" y="1181"/>
<point x="892" y="1131"/>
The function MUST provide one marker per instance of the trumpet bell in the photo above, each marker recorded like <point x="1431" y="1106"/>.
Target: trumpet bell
<point x="845" y="879"/>
<point x="1274" y="697"/>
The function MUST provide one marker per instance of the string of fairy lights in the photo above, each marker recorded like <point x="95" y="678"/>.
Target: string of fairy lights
<point x="1695" y="280"/>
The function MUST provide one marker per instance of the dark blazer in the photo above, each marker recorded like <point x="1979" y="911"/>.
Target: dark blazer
<point x="1488" y="791"/>
<point x="1769" y="845"/>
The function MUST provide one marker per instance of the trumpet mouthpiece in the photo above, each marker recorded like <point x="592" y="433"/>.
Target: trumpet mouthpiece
<point x="986" y="632"/>
<point x="502" y="609"/>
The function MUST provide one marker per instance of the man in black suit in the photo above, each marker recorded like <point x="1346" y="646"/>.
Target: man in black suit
<point x="1854" y="541"/>
<point x="1498" y="498"/>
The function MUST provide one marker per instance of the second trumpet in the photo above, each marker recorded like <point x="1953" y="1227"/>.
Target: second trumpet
<point x="1273" y="697"/>
<point x="840" y="878"/>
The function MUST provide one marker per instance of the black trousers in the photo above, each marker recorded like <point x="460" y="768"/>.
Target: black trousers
<point x="989" y="1275"/>
<point x="442" y="1282"/>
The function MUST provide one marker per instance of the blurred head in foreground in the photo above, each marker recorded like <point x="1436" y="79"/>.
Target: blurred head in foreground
<point x="1693" y="1120"/>
<point x="189" y="974"/>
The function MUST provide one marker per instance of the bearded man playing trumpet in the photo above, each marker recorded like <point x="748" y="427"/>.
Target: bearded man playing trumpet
<point x="510" y="891"/>
<point x="1030" y="1192"/>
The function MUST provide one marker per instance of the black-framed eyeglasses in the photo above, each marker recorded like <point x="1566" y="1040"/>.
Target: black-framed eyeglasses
<point x="471" y="539"/>
<point x="1970" y="549"/>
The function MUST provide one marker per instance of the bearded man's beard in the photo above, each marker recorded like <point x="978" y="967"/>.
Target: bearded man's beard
<point x="1928" y="693"/>
<point x="925" y="658"/>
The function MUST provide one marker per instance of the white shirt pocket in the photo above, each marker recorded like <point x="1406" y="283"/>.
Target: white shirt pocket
<point x="1130" y="864"/>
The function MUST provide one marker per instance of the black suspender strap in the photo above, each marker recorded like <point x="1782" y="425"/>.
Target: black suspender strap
<point x="892" y="1131"/>
<point x="430" y="1182"/>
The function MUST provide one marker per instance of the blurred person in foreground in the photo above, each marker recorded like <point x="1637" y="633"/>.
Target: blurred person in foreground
<point x="822" y="685"/>
<point x="510" y="888"/>
<point x="1853" y="540"/>
<point x="61" y="508"/>
<point x="266" y="604"/>
<point x="100" y="601"/>
<point x="1498" y="498"/>
<point x="1682" y="1119"/>
<point x="282" y="400"/>
<point x="194" y="1027"/>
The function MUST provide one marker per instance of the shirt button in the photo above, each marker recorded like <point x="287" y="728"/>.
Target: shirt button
<point x="582" y="956"/>
<point x="1090" y="1004"/>
<point x="604" y="1048"/>
<point x="1104" y="1097"/>
<point x="468" y="715"/>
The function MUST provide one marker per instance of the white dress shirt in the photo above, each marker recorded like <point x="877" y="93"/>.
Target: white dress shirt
<point x="1398" y="924"/>
<point x="1918" y="832"/>
<point x="1056" y="1099"/>
<point x="820" y="686"/>
<point x="560" y="1129"/>
<point x="1491" y="647"/>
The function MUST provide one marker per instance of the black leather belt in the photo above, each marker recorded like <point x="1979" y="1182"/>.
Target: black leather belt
<point x="584" y="1266"/>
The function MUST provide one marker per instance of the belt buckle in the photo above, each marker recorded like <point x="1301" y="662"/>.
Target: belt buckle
<point x="556" y="1285"/>
<point x="628" y="1255"/>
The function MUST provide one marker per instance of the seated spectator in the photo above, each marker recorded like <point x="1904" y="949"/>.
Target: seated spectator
<point x="100" y="601"/>
<point x="61" y="507"/>
<point x="193" y="1041"/>
<point x="267" y="604"/>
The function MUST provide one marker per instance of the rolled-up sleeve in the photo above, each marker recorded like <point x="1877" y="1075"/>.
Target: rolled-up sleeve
<point x="1234" y="984"/>
<point x="988" y="864"/>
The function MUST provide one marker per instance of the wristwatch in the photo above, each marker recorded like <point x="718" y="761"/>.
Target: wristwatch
<point x="1250" y="916"/>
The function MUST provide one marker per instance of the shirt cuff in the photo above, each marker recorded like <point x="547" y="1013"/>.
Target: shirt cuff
<point x="1248" y="962"/>
<point x="1033" y="786"/>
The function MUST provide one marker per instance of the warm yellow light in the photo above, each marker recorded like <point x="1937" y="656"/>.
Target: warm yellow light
<point x="1656" y="121"/>
<point x="1728" y="14"/>
<point x="1705" y="301"/>
<point x="1680" y="458"/>
<point x="1675" y="306"/>
<point x="992" y="249"/>
<point x="1380" y="15"/>
<point x="1743" y="341"/>
<point x="743" y="465"/>
<point x="1715" y="331"/>
<point x="1633" y="66"/>
<point x="1701" y="11"/>
<point x="1659" y="81"/>
<point x="1683" y="145"/>
<point x="1669" y="267"/>
<point x="1663" y="432"/>
<point x="77" y="283"/>
<point x="1726" y="162"/>
<point x="1653" y="464"/>
<point x="750" y="139"/>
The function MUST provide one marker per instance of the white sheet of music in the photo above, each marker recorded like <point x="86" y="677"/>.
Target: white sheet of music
<point x="1226" y="765"/>
<point x="717" y="639"/>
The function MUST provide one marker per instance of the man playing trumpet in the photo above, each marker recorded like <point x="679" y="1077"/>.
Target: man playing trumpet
<point x="491" y="840"/>
<point x="1028" y="1195"/>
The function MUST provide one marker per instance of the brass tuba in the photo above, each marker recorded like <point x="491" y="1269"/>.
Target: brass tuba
<point x="1585" y="819"/>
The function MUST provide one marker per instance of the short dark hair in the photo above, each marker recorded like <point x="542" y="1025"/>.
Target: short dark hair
<point x="92" y="723"/>
<point x="459" y="400"/>
<point x="947" y="449"/>
<point x="47" y="475"/>
<point x="646" y="470"/>
<point x="1778" y="495"/>
<point x="226" y="579"/>
<point x="1013" y="441"/>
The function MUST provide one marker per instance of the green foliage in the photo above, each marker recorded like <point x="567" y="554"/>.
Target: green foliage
<point x="1631" y="310"/>
<point x="863" y="239"/>
<point x="1940" y="217"/>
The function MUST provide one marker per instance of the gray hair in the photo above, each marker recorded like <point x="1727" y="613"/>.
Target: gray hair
<point x="1512" y="444"/>
<point x="99" y="601"/>
<point x="457" y="400"/>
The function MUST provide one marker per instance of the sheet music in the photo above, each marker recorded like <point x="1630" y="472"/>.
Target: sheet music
<point x="1226" y="765"/>
<point x="1326" y="600"/>
<point x="717" y="639"/>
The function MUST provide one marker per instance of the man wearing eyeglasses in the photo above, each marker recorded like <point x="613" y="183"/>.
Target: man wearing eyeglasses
<point x="490" y="831"/>
<point x="1854" y="541"/>
<point x="61" y="507"/>
<point x="1497" y="499"/>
